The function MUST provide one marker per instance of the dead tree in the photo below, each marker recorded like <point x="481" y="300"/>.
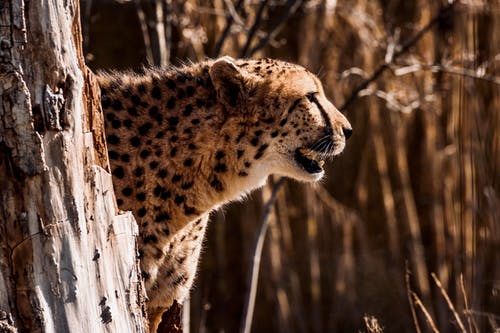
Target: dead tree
<point x="67" y="255"/>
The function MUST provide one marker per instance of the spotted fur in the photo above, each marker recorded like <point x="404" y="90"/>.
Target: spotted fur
<point x="183" y="141"/>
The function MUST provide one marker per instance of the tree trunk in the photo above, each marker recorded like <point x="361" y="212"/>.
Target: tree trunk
<point x="67" y="256"/>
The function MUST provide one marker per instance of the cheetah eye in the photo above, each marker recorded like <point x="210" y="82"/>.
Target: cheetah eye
<point x="311" y="97"/>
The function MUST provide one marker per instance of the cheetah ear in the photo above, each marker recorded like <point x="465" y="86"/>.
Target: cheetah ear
<point x="228" y="81"/>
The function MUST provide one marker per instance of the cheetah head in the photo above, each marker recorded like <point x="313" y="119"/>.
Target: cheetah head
<point x="286" y="115"/>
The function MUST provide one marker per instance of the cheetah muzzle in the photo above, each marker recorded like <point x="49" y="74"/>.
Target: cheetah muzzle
<point x="184" y="141"/>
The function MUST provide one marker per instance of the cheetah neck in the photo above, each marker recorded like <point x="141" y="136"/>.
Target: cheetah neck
<point x="173" y="152"/>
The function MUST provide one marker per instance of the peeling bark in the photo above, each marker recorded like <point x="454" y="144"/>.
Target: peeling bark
<point x="68" y="258"/>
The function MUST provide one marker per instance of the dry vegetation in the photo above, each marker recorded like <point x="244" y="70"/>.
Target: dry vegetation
<point x="404" y="234"/>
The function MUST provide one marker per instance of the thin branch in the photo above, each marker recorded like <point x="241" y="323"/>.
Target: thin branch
<point x="246" y="324"/>
<point x="291" y="8"/>
<point x="444" y="69"/>
<point x="428" y="317"/>
<point x="253" y="29"/>
<point x="410" y="301"/>
<point x="226" y="30"/>
<point x="470" y="320"/>
<point x="443" y="12"/>
<point x="450" y="304"/>
<point x="145" y="31"/>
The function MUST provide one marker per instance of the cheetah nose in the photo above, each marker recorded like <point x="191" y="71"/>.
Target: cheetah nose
<point x="347" y="132"/>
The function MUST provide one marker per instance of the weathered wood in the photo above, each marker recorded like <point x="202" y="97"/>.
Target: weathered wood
<point x="68" y="258"/>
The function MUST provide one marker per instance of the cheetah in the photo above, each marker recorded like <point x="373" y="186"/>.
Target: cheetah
<point x="184" y="141"/>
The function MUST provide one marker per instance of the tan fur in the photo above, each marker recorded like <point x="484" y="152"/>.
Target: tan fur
<point x="184" y="141"/>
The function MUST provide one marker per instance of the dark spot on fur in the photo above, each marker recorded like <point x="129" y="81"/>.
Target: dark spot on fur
<point x="132" y="111"/>
<point x="127" y="123"/>
<point x="242" y="174"/>
<point x="248" y="164"/>
<point x="187" y="185"/>
<point x="263" y="147"/>
<point x="190" y="91"/>
<point x="158" y="190"/>
<point x="171" y="84"/>
<point x="150" y="239"/>
<point x="216" y="184"/>
<point x="113" y="139"/>
<point x="155" y="114"/>
<point x="116" y="124"/>
<point x="269" y="120"/>
<point x="105" y="102"/>
<point x="239" y="153"/>
<point x="188" y="210"/>
<point x="219" y="154"/>
<point x="176" y="178"/>
<point x="283" y="122"/>
<point x="173" y="152"/>
<point x="141" y="212"/>
<point x="135" y="99"/>
<point x="179" y="199"/>
<point x="145" y="153"/>
<point x="113" y="154"/>
<point x="191" y="146"/>
<point x="127" y="191"/>
<point x="135" y="141"/>
<point x="144" y="129"/>
<point x="254" y="141"/>
<point x="141" y="88"/>
<point x="153" y="165"/>
<point x="125" y="158"/>
<point x="139" y="171"/>
<point x="110" y="116"/>
<point x="173" y="121"/>
<point x="166" y="231"/>
<point x="162" y="173"/>
<point x="260" y="151"/>
<point x="195" y="121"/>
<point x="284" y="134"/>
<point x="220" y="167"/>
<point x="117" y="105"/>
<point x="160" y="135"/>
<point x="199" y="103"/>
<point x="119" y="172"/>
<point x="188" y="110"/>
<point x="156" y="93"/>
<point x="171" y="103"/>
<point x="174" y="138"/>
<point x="119" y="202"/>
<point x="181" y="94"/>
<point x="145" y="275"/>
<point x="188" y="162"/>
<point x="141" y="196"/>
<point x="162" y="217"/>
<point x="258" y="132"/>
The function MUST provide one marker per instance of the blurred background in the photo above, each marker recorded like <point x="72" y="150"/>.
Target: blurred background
<point x="404" y="232"/>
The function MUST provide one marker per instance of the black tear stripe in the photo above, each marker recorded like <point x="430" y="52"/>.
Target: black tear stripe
<point x="328" y="123"/>
<point x="294" y="105"/>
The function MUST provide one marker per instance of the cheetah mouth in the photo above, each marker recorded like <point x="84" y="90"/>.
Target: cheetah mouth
<point x="309" y="160"/>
